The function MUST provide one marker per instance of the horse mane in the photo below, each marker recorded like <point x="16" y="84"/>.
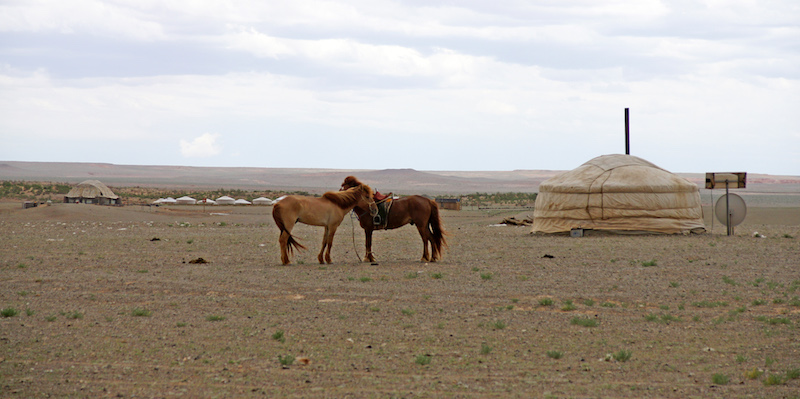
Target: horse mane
<point x="345" y="199"/>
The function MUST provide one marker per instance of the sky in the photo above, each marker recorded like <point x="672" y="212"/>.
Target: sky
<point x="712" y="85"/>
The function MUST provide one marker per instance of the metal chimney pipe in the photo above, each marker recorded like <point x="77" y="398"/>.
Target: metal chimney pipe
<point x="627" y="132"/>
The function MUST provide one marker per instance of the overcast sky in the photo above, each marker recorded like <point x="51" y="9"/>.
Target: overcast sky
<point x="712" y="85"/>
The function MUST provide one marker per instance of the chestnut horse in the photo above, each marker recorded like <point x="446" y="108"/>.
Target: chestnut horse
<point x="414" y="209"/>
<point x="328" y="211"/>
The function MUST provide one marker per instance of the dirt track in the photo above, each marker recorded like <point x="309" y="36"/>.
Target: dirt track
<point x="105" y="309"/>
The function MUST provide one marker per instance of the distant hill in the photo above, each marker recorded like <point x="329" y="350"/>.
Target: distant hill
<point x="400" y="181"/>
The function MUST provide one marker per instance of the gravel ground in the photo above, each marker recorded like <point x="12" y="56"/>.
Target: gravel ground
<point x="109" y="304"/>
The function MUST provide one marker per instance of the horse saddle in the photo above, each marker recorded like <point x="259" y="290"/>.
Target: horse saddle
<point x="382" y="218"/>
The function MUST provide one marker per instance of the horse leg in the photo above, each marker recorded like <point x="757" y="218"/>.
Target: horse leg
<point x="424" y="235"/>
<point x="324" y="245"/>
<point x="331" y="232"/>
<point x="368" y="257"/>
<point x="283" y="242"/>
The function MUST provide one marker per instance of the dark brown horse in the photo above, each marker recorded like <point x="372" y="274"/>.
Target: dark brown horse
<point x="328" y="211"/>
<point x="415" y="209"/>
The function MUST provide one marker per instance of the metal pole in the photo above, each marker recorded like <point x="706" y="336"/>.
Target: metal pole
<point x="627" y="132"/>
<point x="728" y="209"/>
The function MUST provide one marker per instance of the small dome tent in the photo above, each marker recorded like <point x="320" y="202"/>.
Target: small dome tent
<point x="618" y="193"/>
<point x="225" y="200"/>
<point x="185" y="200"/>
<point x="262" y="201"/>
<point x="242" y="201"/>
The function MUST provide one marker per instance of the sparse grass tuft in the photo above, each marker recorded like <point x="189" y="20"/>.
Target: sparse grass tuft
<point x="546" y="302"/>
<point x="9" y="312"/>
<point x="583" y="322"/>
<point x="486" y="276"/>
<point x="649" y="263"/>
<point x="365" y="279"/>
<point x="485" y="349"/>
<point x="411" y="275"/>
<point x="74" y="315"/>
<point x="499" y="325"/>
<point x="554" y="354"/>
<point x="720" y="379"/>
<point x="792" y="374"/>
<point x="728" y="280"/>
<point x="608" y="305"/>
<point x="437" y="275"/>
<point x="215" y="318"/>
<point x="423" y="360"/>
<point x="741" y="358"/>
<point x="407" y="312"/>
<point x="774" y="379"/>
<point x="774" y="320"/>
<point x="141" y="312"/>
<point x="622" y="355"/>
<point x="707" y="304"/>
<point x="279" y="336"/>
<point x="286" y="360"/>
<point x="664" y="318"/>
<point x="753" y="374"/>
<point x="568" y="306"/>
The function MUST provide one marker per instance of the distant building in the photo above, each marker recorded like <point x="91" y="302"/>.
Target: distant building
<point x="92" y="192"/>
<point x="449" y="203"/>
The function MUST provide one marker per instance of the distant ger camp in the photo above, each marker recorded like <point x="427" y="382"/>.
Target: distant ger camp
<point x="92" y="192"/>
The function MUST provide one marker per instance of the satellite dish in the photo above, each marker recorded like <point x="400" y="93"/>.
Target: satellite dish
<point x="738" y="209"/>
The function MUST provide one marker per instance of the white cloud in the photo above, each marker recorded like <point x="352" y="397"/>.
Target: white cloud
<point x="201" y="147"/>
<point x="548" y="75"/>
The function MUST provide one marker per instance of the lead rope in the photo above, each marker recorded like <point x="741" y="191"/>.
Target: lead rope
<point x="353" y="225"/>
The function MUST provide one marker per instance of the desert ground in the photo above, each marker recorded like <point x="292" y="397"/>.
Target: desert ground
<point x="106" y="302"/>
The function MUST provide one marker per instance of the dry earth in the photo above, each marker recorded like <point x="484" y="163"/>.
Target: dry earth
<point x="109" y="306"/>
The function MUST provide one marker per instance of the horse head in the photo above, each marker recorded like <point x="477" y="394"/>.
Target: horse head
<point x="368" y="199"/>
<point x="350" y="182"/>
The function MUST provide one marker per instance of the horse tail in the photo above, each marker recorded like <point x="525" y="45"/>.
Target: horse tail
<point x="438" y="242"/>
<point x="291" y="243"/>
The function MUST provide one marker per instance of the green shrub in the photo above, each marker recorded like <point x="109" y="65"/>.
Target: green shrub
<point x="423" y="360"/>
<point x="9" y="312"/>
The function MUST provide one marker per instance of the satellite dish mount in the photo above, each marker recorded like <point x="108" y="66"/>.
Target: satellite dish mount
<point x="735" y="208"/>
